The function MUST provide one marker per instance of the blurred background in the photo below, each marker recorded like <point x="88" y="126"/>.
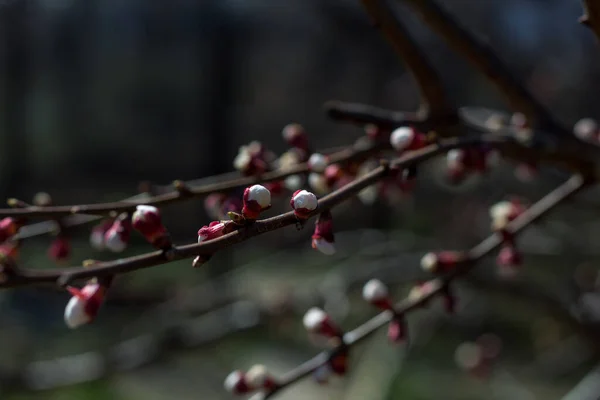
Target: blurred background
<point x="100" y="95"/>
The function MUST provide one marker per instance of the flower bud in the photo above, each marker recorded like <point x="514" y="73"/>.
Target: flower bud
<point x="376" y="293"/>
<point x="333" y="173"/>
<point x="586" y="129"/>
<point x="97" y="235"/>
<point x="60" y="249"/>
<point x="407" y="138"/>
<point x="235" y="383"/>
<point x="318" y="183"/>
<point x="303" y="202"/>
<point x="117" y="236"/>
<point x="147" y="221"/>
<point x="509" y="256"/>
<point x="504" y="212"/>
<point x="295" y="136"/>
<point x="397" y="329"/>
<point x="214" y="230"/>
<point x="317" y="321"/>
<point x="252" y="159"/>
<point x="294" y="182"/>
<point x="317" y="162"/>
<point x="258" y="377"/>
<point x="257" y="198"/>
<point x="8" y="228"/>
<point x="441" y="262"/>
<point x="322" y="238"/>
<point x="84" y="305"/>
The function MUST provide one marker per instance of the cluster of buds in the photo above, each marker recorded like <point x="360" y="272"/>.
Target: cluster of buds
<point x="85" y="303"/>
<point x="462" y="162"/>
<point x="117" y="236"/>
<point x="407" y="138"/>
<point x="256" y="378"/>
<point x="376" y="293"/>
<point x="60" y="249"/>
<point x="423" y="293"/>
<point x="304" y="203"/>
<point x="253" y="159"/>
<point x="441" y="262"/>
<point x="322" y="238"/>
<point x="147" y="221"/>
<point x="257" y="199"/>
<point x="587" y="130"/>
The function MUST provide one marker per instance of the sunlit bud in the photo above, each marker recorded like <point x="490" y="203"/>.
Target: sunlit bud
<point x="257" y="198"/>
<point x="235" y="383"/>
<point x="84" y="304"/>
<point x="323" y="238"/>
<point x="376" y="293"/>
<point x="295" y="136"/>
<point x="317" y="162"/>
<point x="317" y="321"/>
<point x="407" y="138"/>
<point x="60" y="249"/>
<point x="147" y="221"/>
<point x="441" y="262"/>
<point x="117" y="236"/>
<point x="304" y="203"/>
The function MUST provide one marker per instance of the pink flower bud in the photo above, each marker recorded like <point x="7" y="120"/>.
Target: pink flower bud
<point x="258" y="377"/>
<point x="376" y="293"/>
<point x="295" y="136"/>
<point x="83" y="307"/>
<point x="8" y="228"/>
<point x="442" y="262"/>
<point x="214" y="230"/>
<point x="235" y="383"/>
<point x="147" y="221"/>
<point x="257" y="198"/>
<point x="586" y="129"/>
<point x="60" y="249"/>
<point x="98" y="233"/>
<point x="117" y="236"/>
<point x="317" y="321"/>
<point x="304" y="203"/>
<point x="322" y="238"/>
<point x="317" y="162"/>
<point x="397" y="329"/>
<point x="407" y="138"/>
<point x="509" y="256"/>
<point x="333" y="173"/>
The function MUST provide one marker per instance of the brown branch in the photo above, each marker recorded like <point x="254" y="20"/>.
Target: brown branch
<point x="343" y="156"/>
<point x="65" y="275"/>
<point x="548" y="202"/>
<point x="591" y="16"/>
<point x="483" y="58"/>
<point x="434" y="99"/>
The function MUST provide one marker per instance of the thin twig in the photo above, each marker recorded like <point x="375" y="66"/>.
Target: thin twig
<point x="24" y="276"/>
<point x="547" y="203"/>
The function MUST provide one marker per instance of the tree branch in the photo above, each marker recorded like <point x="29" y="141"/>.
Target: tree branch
<point x="538" y="209"/>
<point x="434" y="99"/>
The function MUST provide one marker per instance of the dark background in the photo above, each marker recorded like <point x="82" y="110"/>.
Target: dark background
<point x="99" y="95"/>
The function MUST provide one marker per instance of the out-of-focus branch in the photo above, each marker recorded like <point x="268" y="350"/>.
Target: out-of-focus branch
<point x="591" y="16"/>
<point x="437" y="285"/>
<point x="434" y="100"/>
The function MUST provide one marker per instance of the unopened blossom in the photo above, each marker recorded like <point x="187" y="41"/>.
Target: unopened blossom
<point x="333" y="173"/>
<point x="235" y="383"/>
<point x="257" y="198"/>
<point x="8" y="228"/>
<point x="97" y="235"/>
<point x="397" y="329"/>
<point x="147" y="221"/>
<point x="258" y="377"/>
<point x="253" y="159"/>
<point x="318" y="162"/>
<point x="441" y="262"/>
<point x="84" y="304"/>
<point x="509" y="256"/>
<point x="407" y="138"/>
<point x="318" y="183"/>
<point x="317" y="321"/>
<point x="60" y="249"/>
<point x="304" y="203"/>
<point x="295" y="135"/>
<point x="506" y="211"/>
<point x="376" y="292"/>
<point x="586" y="129"/>
<point x="323" y="238"/>
<point x="214" y="230"/>
<point x="117" y="236"/>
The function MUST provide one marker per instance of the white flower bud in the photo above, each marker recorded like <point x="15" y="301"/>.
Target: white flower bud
<point x="402" y="137"/>
<point x="375" y="290"/>
<point x="260" y="194"/>
<point x="317" y="162"/>
<point x="313" y="319"/>
<point x="429" y="262"/>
